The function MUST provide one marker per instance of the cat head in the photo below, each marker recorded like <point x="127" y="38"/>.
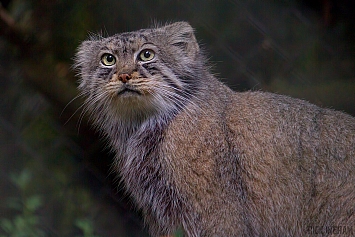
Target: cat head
<point x="136" y="74"/>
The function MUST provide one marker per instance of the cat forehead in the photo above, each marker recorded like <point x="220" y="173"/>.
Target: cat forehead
<point x="131" y="39"/>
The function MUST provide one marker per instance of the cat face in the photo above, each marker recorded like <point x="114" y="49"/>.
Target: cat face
<point x="139" y="73"/>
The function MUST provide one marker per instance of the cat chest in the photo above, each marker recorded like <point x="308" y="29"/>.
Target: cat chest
<point x="147" y="179"/>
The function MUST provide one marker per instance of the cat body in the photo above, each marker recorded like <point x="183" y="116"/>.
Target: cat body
<point x="196" y="155"/>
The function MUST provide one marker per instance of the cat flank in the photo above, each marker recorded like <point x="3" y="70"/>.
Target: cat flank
<point x="197" y="156"/>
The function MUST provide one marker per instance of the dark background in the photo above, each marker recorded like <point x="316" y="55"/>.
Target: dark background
<point x="55" y="176"/>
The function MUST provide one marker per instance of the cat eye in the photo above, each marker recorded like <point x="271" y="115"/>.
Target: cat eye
<point x="108" y="59"/>
<point x="146" y="55"/>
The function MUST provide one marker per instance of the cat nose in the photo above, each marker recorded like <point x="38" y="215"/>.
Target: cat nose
<point x="124" y="77"/>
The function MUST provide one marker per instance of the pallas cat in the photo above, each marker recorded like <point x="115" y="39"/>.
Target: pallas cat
<point x="195" y="155"/>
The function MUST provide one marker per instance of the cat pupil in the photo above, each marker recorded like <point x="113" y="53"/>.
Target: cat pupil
<point x="109" y="58"/>
<point x="147" y="54"/>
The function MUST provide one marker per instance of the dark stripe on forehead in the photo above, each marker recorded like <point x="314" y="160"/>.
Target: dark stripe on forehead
<point x="124" y="40"/>
<point x="124" y="49"/>
<point x="143" y="37"/>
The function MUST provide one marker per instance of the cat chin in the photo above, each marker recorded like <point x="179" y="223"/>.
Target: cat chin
<point x="138" y="100"/>
<point x="131" y="106"/>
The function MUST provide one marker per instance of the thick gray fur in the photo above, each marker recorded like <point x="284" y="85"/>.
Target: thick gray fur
<point x="196" y="155"/>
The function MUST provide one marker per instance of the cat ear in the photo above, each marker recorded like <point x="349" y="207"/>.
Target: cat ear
<point x="181" y="34"/>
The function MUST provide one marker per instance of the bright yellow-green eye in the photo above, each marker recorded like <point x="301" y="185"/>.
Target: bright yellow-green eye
<point x="146" y="55"/>
<point x="108" y="59"/>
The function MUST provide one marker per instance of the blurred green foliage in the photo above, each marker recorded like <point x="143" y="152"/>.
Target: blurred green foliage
<point x="26" y="223"/>
<point x="86" y="226"/>
<point x="46" y="198"/>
